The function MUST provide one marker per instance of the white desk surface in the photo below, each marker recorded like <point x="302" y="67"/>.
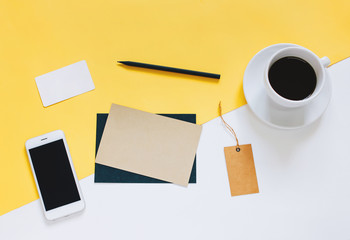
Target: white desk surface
<point x="303" y="175"/>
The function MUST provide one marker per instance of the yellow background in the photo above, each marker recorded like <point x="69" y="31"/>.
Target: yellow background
<point x="220" y="36"/>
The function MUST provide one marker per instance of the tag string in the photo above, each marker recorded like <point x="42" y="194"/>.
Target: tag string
<point x="229" y="127"/>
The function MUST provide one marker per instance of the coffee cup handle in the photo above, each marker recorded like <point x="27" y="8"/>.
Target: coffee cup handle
<point x="325" y="61"/>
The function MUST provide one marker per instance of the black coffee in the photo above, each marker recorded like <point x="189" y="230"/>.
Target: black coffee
<point x="292" y="78"/>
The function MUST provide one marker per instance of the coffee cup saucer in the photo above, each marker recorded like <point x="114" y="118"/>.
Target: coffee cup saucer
<point x="267" y="110"/>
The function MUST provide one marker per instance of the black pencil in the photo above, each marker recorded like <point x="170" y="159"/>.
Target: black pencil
<point x="170" y="69"/>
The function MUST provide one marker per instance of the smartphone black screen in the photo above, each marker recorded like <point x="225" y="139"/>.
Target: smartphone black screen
<point x="54" y="174"/>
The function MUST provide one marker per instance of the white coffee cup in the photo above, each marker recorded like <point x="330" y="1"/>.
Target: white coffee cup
<point x="318" y="64"/>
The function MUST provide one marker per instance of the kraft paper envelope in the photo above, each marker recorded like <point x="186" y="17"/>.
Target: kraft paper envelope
<point x="64" y="83"/>
<point x="149" y="144"/>
<point x="105" y="174"/>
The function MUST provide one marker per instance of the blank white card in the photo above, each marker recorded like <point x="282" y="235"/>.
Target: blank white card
<point x="64" y="83"/>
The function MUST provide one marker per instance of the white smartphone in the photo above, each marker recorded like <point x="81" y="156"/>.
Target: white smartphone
<point x="54" y="175"/>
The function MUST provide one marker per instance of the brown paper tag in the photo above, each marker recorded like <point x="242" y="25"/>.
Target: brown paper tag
<point x="241" y="170"/>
